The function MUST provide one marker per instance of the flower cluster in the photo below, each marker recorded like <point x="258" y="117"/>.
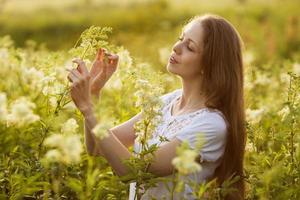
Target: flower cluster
<point x="254" y="115"/>
<point x="101" y="129"/>
<point x="3" y="106"/>
<point x="32" y="77"/>
<point x="185" y="161"/>
<point x="284" y="112"/>
<point x="150" y="103"/>
<point x="51" y="86"/>
<point x="296" y="69"/>
<point x="67" y="146"/>
<point x="91" y="40"/>
<point x="70" y="127"/>
<point x="21" y="113"/>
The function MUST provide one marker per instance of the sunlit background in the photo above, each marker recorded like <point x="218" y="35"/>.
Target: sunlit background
<point x="35" y="104"/>
<point x="148" y="28"/>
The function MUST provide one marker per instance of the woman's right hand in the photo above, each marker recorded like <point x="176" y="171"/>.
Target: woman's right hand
<point x="102" y="69"/>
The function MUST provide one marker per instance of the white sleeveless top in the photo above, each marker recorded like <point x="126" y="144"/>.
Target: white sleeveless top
<point x="210" y="122"/>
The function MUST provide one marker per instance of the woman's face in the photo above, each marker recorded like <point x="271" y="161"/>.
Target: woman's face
<point x="186" y="56"/>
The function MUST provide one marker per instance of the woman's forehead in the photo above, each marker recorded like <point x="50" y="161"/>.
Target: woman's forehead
<point x="194" y="31"/>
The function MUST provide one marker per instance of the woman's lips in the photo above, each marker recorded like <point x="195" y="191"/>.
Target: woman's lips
<point x="173" y="60"/>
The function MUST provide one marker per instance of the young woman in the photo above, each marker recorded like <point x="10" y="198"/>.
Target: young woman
<point x="207" y="57"/>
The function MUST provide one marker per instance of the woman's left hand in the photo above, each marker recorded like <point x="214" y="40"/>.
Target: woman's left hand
<point x="80" y="88"/>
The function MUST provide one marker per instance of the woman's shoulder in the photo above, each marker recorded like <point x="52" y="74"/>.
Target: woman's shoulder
<point x="167" y="97"/>
<point x="210" y="117"/>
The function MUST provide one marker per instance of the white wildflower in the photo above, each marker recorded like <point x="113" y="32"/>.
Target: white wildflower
<point x="68" y="148"/>
<point x="49" y="78"/>
<point x="150" y="103"/>
<point x="32" y="77"/>
<point x="296" y="69"/>
<point x="53" y="101"/>
<point x="53" y="89"/>
<point x="284" y="78"/>
<point x="70" y="127"/>
<point x="72" y="148"/>
<point x="262" y="79"/>
<point x="53" y="155"/>
<point x="4" y="54"/>
<point x="61" y="73"/>
<point x="255" y="115"/>
<point x="101" y="130"/>
<point x="58" y="88"/>
<point x="249" y="147"/>
<point x="22" y="112"/>
<point x="55" y="140"/>
<point x="114" y="83"/>
<point x="124" y="59"/>
<point x="185" y="161"/>
<point x="284" y="112"/>
<point x="48" y="84"/>
<point x="3" y="106"/>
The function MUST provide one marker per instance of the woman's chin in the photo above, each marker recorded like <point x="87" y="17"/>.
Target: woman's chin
<point x="170" y="68"/>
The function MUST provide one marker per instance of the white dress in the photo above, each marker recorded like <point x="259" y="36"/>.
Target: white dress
<point x="205" y="121"/>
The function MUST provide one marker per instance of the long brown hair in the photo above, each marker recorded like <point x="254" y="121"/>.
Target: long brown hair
<point x="222" y="83"/>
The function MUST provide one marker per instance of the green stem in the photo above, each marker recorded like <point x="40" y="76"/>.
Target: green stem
<point x="82" y="56"/>
<point x="77" y="41"/>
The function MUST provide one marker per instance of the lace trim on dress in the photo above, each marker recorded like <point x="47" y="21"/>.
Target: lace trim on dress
<point x="176" y="123"/>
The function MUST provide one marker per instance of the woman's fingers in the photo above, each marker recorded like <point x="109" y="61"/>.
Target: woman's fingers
<point x="113" y="59"/>
<point x="102" y="52"/>
<point x="72" y="78"/>
<point x="75" y="72"/>
<point x="75" y="76"/>
<point x="100" y="55"/>
<point x="81" y="67"/>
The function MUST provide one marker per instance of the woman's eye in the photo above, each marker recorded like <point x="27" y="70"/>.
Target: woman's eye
<point x="181" y="39"/>
<point x="189" y="48"/>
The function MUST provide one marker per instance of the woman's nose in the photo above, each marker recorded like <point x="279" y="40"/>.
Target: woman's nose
<point x="177" y="48"/>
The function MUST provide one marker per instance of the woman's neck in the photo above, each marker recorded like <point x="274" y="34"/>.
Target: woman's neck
<point x="192" y="97"/>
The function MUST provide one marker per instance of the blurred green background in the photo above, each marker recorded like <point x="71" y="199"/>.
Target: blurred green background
<point x="149" y="28"/>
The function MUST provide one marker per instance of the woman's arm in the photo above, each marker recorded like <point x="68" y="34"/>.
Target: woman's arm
<point x="90" y="142"/>
<point x="115" y="152"/>
<point x="111" y="148"/>
<point x="124" y="132"/>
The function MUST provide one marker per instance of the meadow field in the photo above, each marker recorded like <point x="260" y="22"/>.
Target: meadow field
<point x="42" y="152"/>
